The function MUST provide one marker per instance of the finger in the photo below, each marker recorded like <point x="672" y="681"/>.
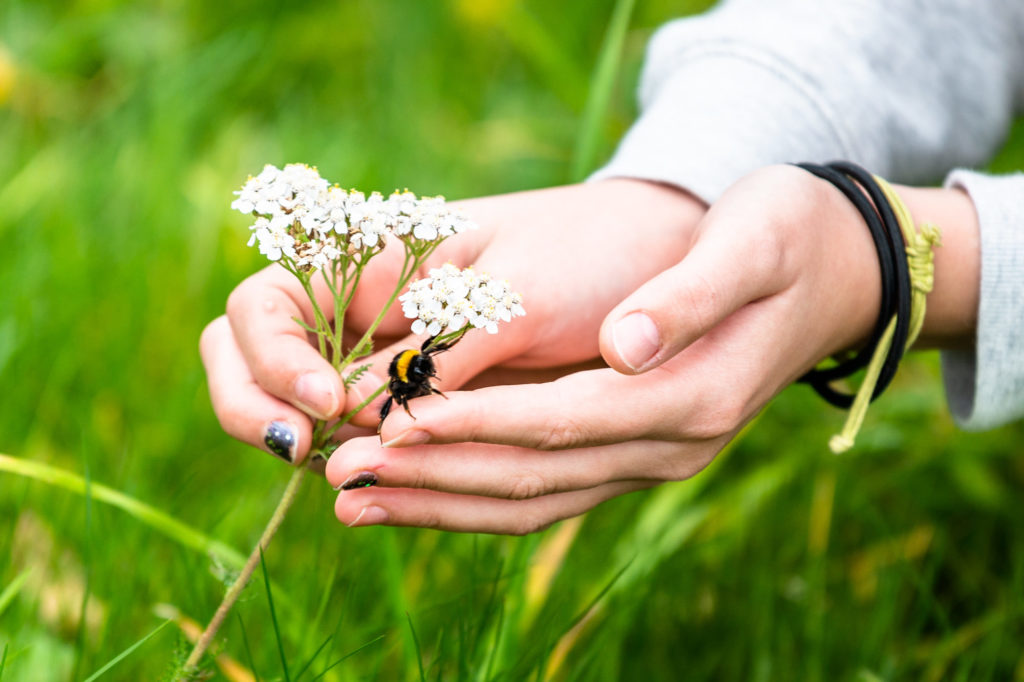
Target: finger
<point x="580" y="410"/>
<point x="509" y="472"/>
<point x="262" y="311"/>
<point x="470" y="356"/>
<point x="469" y="514"/>
<point x="243" y="408"/>
<point x="708" y="391"/>
<point x="735" y="260"/>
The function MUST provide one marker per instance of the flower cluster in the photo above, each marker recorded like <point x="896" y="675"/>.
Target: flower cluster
<point x="301" y="217"/>
<point x="452" y="299"/>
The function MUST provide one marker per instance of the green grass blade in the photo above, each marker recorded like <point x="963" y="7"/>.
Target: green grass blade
<point x="416" y="646"/>
<point x="3" y="661"/>
<point x="151" y="516"/>
<point x="601" y="85"/>
<point x="12" y="589"/>
<point x="312" y="658"/>
<point x="346" y="656"/>
<point x="248" y="651"/>
<point x="273" y="619"/>
<point x="80" y="635"/>
<point x="545" y="51"/>
<point x="126" y="653"/>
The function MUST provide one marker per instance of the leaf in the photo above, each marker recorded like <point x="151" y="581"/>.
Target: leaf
<point x="356" y="374"/>
<point x="149" y="515"/>
<point x="311" y="330"/>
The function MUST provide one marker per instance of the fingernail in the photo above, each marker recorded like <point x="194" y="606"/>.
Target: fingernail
<point x="370" y="515"/>
<point x="315" y="393"/>
<point x="407" y="438"/>
<point x="280" y="439"/>
<point x="636" y="340"/>
<point x="364" y="479"/>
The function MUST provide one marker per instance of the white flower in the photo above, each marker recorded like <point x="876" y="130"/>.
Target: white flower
<point x="449" y="299"/>
<point x="274" y="243"/>
<point x="295" y="206"/>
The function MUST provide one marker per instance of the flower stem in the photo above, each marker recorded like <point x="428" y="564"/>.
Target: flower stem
<point x="206" y="638"/>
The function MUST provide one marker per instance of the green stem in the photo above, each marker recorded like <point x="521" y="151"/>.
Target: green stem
<point x="339" y="312"/>
<point x="357" y="350"/>
<point x="318" y="314"/>
<point x="348" y="416"/>
<point x="206" y="638"/>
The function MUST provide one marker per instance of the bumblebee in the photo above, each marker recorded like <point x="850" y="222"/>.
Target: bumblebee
<point x="409" y="376"/>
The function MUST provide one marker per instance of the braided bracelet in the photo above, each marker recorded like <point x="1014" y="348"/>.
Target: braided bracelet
<point x="906" y="262"/>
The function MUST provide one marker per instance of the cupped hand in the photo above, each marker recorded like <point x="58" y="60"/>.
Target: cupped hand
<point x="573" y="252"/>
<point x="782" y="272"/>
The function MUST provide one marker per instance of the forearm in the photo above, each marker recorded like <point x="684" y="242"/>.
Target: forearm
<point x="951" y="315"/>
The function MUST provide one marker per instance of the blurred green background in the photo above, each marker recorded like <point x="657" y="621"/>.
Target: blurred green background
<point x="124" y="128"/>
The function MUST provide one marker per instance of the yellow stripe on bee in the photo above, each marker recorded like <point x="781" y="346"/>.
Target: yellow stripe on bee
<point x="402" y="366"/>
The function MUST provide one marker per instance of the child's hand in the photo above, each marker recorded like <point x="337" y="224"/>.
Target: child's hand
<point x="573" y="252"/>
<point x="782" y="273"/>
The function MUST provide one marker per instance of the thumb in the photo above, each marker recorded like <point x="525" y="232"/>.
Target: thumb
<point x="721" y="273"/>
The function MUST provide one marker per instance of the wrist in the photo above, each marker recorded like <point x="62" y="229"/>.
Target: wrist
<point x="952" y="307"/>
<point x="649" y="200"/>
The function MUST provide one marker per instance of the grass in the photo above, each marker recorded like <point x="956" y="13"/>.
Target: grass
<point x="126" y="129"/>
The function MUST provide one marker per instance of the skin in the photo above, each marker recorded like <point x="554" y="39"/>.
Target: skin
<point x="701" y="317"/>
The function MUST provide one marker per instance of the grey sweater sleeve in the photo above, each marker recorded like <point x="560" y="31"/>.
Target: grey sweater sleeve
<point x="985" y="387"/>
<point x="907" y="88"/>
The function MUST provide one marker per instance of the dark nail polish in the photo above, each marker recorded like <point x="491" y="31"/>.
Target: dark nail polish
<point x="364" y="479"/>
<point x="280" y="439"/>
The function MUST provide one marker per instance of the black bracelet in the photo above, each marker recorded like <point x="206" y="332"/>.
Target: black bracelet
<point x="895" y="298"/>
<point x="899" y="251"/>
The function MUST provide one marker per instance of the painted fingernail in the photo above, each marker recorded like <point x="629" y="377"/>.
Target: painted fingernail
<point x="280" y="439"/>
<point x="364" y="479"/>
<point x="315" y="394"/>
<point x="408" y="438"/>
<point x="370" y="515"/>
<point x="636" y="340"/>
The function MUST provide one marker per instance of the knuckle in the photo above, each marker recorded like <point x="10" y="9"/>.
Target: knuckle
<point x="238" y="301"/>
<point x="235" y="421"/>
<point x="714" y="420"/>
<point x="686" y="464"/>
<point x="526" y="486"/>
<point x="561" y="433"/>
<point x="528" y="523"/>
<point x="431" y="519"/>
<point x="698" y="302"/>
<point x="212" y="334"/>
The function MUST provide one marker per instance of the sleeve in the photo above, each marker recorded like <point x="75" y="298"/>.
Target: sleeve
<point x="906" y="88"/>
<point x="985" y="387"/>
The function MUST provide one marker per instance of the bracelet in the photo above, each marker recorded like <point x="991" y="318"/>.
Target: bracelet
<point x="907" y="266"/>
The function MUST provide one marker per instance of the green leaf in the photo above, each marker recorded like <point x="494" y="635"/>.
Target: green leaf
<point x="355" y="375"/>
<point x="311" y="330"/>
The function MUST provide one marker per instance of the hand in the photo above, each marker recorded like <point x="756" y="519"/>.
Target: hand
<point x="573" y="252"/>
<point x="782" y="273"/>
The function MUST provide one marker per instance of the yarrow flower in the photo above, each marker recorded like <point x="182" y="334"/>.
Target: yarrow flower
<point x="294" y="207"/>
<point x="453" y="300"/>
<point x="306" y="224"/>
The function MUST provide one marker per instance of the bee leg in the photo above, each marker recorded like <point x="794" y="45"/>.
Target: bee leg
<point x="405" y="404"/>
<point x="385" y="409"/>
<point x="434" y="390"/>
